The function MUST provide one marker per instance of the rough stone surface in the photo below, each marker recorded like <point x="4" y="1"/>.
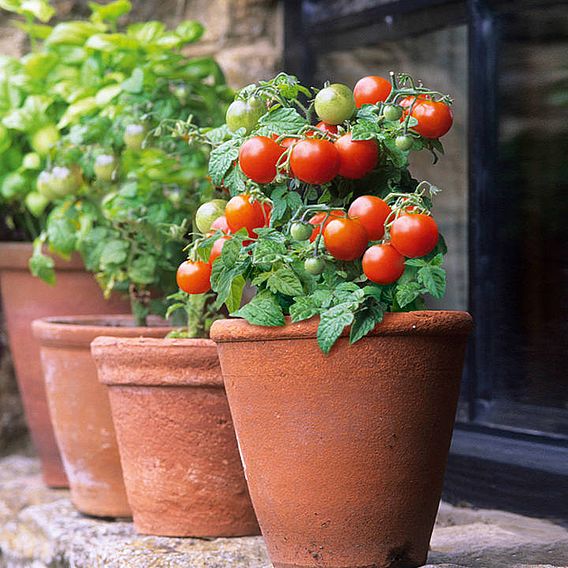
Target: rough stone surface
<point x="39" y="528"/>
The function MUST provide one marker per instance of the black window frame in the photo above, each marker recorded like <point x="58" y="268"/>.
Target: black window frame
<point x="523" y="471"/>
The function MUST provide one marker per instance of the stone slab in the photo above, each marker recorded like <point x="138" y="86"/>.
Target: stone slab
<point x="39" y="528"/>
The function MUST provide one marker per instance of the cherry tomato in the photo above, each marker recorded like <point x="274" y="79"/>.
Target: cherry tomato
<point x="301" y="231"/>
<point x="371" y="90"/>
<point x="65" y="181"/>
<point x="335" y="104"/>
<point x="288" y="142"/>
<point x="220" y="224"/>
<point x="194" y="277"/>
<point x="404" y="143"/>
<point x="345" y="239"/>
<point x="372" y="213"/>
<point x="314" y="265"/>
<point x="105" y="167"/>
<point x="258" y="157"/>
<point x="383" y="264"/>
<point x="244" y="114"/>
<point x="45" y="139"/>
<point x="414" y="234"/>
<point x="241" y="212"/>
<point x="392" y="112"/>
<point x="217" y="248"/>
<point x="318" y="218"/>
<point x="408" y="101"/>
<point x="434" y="118"/>
<point x="331" y="128"/>
<point x="209" y="212"/>
<point x="134" y="136"/>
<point x="314" y="161"/>
<point x="356" y="157"/>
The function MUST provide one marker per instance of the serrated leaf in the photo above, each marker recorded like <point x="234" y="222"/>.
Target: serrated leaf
<point x="263" y="309"/>
<point x="332" y="324"/>
<point x="142" y="270"/>
<point x="283" y="120"/>
<point x="61" y="235"/>
<point x="303" y="308"/>
<point x="234" y="181"/>
<point x="114" y="252"/>
<point x="364" y="322"/>
<point x="364" y="130"/>
<point x="285" y="281"/>
<point x="43" y="267"/>
<point x="230" y="252"/>
<point x="434" y="280"/>
<point x="221" y="159"/>
<point x="407" y="293"/>
<point x="233" y="301"/>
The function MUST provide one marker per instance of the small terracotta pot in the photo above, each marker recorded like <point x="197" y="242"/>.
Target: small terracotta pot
<point x="179" y="453"/>
<point x="80" y="408"/>
<point x="26" y="298"/>
<point x="345" y="454"/>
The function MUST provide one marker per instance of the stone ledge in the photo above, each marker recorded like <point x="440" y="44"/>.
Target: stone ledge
<point x="40" y="529"/>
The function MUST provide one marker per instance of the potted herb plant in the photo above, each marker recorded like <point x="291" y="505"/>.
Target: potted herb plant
<point x="122" y="197"/>
<point x="342" y="386"/>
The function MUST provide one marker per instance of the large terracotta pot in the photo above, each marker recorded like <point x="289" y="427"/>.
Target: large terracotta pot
<point x="345" y="454"/>
<point x="80" y="409"/>
<point x="25" y="298"/>
<point x="177" y="444"/>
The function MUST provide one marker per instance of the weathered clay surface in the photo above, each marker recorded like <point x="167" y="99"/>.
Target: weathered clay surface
<point x="341" y="448"/>
<point x="40" y="529"/>
<point x="80" y="408"/>
<point x="25" y="298"/>
<point x="181" y="464"/>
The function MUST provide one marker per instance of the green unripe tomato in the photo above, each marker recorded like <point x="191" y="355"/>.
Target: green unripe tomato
<point x="14" y="186"/>
<point x="301" y="231"/>
<point x="244" y="114"/>
<point x="66" y="181"/>
<point x="208" y="212"/>
<point x="45" y="139"/>
<point x="134" y="136"/>
<point x="31" y="161"/>
<point x="36" y="203"/>
<point x="335" y="104"/>
<point x="392" y="112"/>
<point x="44" y="185"/>
<point x="314" y="265"/>
<point x="105" y="167"/>
<point x="404" y="143"/>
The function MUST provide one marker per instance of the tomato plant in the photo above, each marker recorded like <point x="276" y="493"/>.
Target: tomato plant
<point x="314" y="161"/>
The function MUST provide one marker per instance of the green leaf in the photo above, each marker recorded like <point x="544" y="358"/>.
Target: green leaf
<point x="230" y="253"/>
<point x="190" y="31"/>
<point x="407" y="293"/>
<point x="77" y="110"/>
<point x="143" y="270"/>
<point x="303" y="308"/>
<point x="233" y="301"/>
<point x="61" y="235"/>
<point x="221" y="159"/>
<point x="285" y="281"/>
<point x="263" y="309"/>
<point x="112" y="42"/>
<point x="39" y="9"/>
<point x="107" y="94"/>
<point x="72" y="33"/>
<point x="364" y="130"/>
<point x="109" y="12"/>
<point x="114" y="252"/>
<point x="234" y="181"/>
<point x="283" y="120"/>
<point x="135" y="83"/>
<point x="267" y="251"/>
<point x="364" y="322"/>
<point x="332" y="324"/>
<point x="43" y="267"/>
<point x="147" y="32"/>
<point x="434" y="280"/>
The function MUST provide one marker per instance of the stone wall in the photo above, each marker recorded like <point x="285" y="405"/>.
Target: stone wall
<point x="244" y="35"/>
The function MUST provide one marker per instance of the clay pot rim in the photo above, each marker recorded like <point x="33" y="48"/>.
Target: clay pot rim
<point x="418" y="323"/>
<point x="80" y="331"/>
<point x="15" y="256"/>
<point x="157" y="362"/>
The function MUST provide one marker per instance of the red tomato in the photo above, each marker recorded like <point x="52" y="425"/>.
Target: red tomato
<point x="371" y="90"/>
<point x="194" y="277"/>
<point x="314" y="161"/>
<point x="318" y="218"/>
<point x="331" y="128"/>
<point x="383" y="264"/>
<point x="287" y="142"/>
<point x="372" y="213"/>
<point x="345" y="239"/>
<point x="217" y="249"/>
<point x="414" y="235"/>
<point x="242" y="212"/>
<point x="356" y="157"/>
<point x="220" y="224"/>
<point x="434" y="118"/>
<point x="406" y="102"/>
<point x="258" y="157"/>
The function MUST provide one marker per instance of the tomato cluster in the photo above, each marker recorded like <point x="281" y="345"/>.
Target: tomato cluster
<point x="240" y="212"/>
<point x="347" y="236"/>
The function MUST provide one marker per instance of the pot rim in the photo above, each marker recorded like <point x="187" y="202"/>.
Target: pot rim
<point x="16" y="255"/>
<point x="80" y="331"/>
<point x="168" y="362"/>
<point x="417" y="323"/>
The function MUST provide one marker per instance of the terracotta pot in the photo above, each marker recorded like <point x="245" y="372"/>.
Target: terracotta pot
<point x="345" y="454"/>
<point x="80" y="408"/>
<point x="26" y="298"/>
<point x="179" y="453"/>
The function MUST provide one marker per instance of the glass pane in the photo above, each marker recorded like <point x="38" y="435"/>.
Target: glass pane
<point x="440" y="59"/>
<point x="531" y="346"/>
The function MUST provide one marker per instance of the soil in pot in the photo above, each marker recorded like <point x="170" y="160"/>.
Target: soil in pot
<point x="345" y="454"/>
<point x="80" y="408"/>
<point x="177" y="444"/>
<point x="25" y="298"/>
